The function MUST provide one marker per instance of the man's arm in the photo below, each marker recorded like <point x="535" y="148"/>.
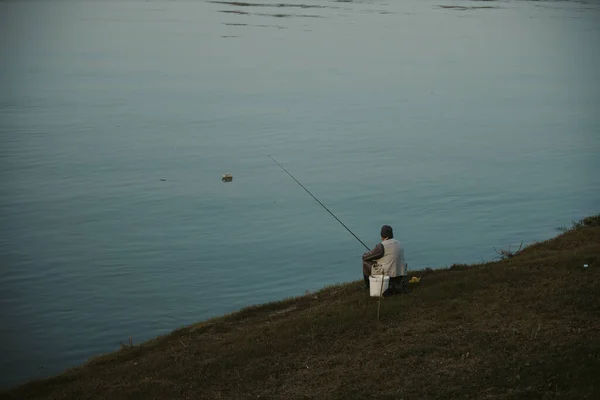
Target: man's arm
<point x="375" y="254"/>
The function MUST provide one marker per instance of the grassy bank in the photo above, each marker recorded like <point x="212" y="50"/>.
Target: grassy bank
<point x="524" y="327"/>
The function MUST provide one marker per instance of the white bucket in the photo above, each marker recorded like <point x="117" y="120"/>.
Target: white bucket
<point x="375" y="284"/>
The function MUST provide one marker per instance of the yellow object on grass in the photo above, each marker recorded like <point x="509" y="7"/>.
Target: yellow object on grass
<point x="414" y="279"/>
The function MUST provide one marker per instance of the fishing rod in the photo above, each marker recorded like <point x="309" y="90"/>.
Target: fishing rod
<point x="322" y="205"/>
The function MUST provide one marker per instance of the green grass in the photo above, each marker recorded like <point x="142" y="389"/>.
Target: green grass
<point x="525" y="327"/>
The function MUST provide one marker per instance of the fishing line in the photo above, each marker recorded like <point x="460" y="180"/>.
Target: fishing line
<point x="322" y="205"/>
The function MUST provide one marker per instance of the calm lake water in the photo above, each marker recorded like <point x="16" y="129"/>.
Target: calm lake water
<point x="464" y="128"/>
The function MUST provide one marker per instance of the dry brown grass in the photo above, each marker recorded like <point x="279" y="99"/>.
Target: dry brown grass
<point x="524" y="327"/>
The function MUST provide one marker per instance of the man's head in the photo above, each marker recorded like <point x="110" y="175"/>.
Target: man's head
<point x="387" y="232"/>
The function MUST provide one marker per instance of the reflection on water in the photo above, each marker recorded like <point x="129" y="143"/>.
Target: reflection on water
<point x="277" y="15"/>
<point x="242" y="4"/>
<point x="325" y="11"/>
<point x="274" y="5"/>
<point x="256" y="26"/>
<point x="463" y="8"/>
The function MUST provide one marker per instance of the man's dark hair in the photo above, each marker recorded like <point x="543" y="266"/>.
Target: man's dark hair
<point x="387" y="232"/>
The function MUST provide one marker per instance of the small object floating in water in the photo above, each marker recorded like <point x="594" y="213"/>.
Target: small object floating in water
<point x="227" y="178"/>
<point x="163" y="180"/>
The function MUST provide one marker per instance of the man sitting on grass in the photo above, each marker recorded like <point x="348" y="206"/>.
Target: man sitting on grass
<point x="387" y="258"/>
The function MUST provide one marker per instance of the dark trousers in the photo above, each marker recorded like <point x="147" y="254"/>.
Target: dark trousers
<point x="397" y="283"/>
<point x="367" y="267"/>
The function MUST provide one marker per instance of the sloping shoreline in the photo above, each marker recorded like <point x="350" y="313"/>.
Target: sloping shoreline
<point x="527" y="326"/>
